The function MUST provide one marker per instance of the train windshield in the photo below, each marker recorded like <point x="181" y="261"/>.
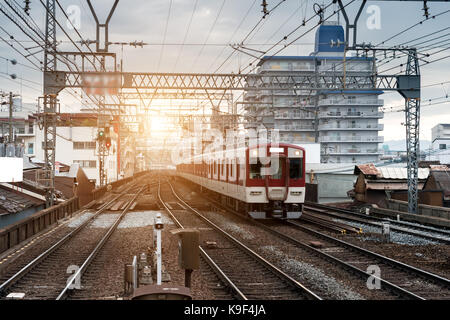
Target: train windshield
<point x="295" y="168"/>
<point x="279" y="174"/>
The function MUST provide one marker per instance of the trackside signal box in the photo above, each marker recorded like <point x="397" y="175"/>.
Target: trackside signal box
<point x="188" y="248"/>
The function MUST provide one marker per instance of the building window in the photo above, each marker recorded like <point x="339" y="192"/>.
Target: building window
<point x="86" y="163"/>
<point x="30" y="128"/>
<point x="78" y="145"/>
<point x="442" y="146"/>
<point x="31" y="148"/>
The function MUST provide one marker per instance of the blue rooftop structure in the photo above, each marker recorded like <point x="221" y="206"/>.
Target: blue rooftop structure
<point x="330" y="38"/>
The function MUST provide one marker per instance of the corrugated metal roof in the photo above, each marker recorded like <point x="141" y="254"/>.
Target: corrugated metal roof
<point x="441" y="167"/>
<point x="367" y="169"/>
<point x="400" y="173"/>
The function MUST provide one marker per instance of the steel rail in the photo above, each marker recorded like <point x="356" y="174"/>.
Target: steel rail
<point x="54" y="247"/>
<point x="98" y="247"/>
<point x="238" y="293"/>
<point x="392" y="262"/>
<point x="331" y="225"/>
<point x="406" y="267"/>
<point x="396" y="226"/>
<point x="346" y="265"/>
<point x="249" y="251"/>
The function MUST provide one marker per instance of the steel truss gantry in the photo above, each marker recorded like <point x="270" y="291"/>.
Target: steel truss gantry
<point x="111" y="81"/>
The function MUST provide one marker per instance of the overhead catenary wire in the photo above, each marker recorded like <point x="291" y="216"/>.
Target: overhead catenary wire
<point x="234" y="33"/>
<point x="164" y="36"/>
<point x="248" y="34"/>
<point x="186" y="34"/>
<point x="209" y="33"/>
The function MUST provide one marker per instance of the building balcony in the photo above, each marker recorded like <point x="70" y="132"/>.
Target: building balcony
<point x="293" y="68"/>
<point x="350" y="139"/>
<point x="351" y="152"/>
<point x="351" y="102"/>
<point x="357" y="114"/>
<point x="25" y="134"/>
<point x="288" y="127"/>
<point x="294" y="116"/>
<point x="368" y="127"/>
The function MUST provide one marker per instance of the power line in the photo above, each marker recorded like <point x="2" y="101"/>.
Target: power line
<point x="412" y="26"/>
<point x="234" y="33"/>
<point x="186" y="34"/>
<point x="165" y="33"/>
<point x="248" y="34"/>
<point x="209" y="33"/>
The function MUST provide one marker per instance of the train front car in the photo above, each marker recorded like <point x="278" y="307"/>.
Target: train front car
<point x="275" y="185"/>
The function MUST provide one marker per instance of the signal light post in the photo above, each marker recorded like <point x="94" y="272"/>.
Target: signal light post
<point x="104" y="142"/>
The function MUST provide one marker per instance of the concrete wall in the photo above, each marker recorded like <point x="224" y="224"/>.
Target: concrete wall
<point x="333" y="187"/>
<point x="426" y="210"/>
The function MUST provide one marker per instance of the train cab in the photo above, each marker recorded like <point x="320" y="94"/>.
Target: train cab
<point x="275" y="181"/>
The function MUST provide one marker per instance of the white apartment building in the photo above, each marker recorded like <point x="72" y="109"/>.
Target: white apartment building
<point x="440" y="143"/>
<point x="346" y="124"/>
<point x="76" y="142"/>
<point x="23" y="123"/>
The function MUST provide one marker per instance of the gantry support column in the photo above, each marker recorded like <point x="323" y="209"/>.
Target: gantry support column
<point x="50" y="106"/>
<point x="411" y="80"/>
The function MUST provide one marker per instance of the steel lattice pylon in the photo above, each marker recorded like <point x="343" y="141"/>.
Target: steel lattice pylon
<point x="412" y="113"/>
<point x="50" y="105"/>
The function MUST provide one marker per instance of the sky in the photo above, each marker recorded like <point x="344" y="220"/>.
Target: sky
<point x="215" y="24"/>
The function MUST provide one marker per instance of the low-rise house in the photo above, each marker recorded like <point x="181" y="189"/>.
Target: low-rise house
<point x="375" y="184"/>
<point x="439" y="181"/>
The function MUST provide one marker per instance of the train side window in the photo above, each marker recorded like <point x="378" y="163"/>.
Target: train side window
<point x="255" y="170"/>
<point x="295" y="168"/>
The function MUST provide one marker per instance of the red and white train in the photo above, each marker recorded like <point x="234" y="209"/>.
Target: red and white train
<point x="237" y="179"/>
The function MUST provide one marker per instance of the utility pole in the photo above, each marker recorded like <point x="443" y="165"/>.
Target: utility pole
<point x="102" y="150"/>
<point x="11" y="139"/>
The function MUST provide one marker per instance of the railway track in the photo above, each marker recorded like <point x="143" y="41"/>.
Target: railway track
<point x="328" y="224"/>
<point x="401" y="279"/>
<point x="407" y="280"/>
<point x="46" y="277"/>
<point x="247" y="274"/>
<point x="425" y="232"/>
